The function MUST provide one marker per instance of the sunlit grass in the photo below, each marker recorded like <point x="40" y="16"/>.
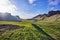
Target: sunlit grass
<point x="31" y="33"/>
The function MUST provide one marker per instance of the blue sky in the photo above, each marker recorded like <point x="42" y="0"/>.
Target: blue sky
<point x="30" y="8"/>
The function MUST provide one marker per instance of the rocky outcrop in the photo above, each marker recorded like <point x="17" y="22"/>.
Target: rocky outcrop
<point x="51" y="13"/>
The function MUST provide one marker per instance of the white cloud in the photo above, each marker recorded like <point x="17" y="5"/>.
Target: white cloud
<point x="31" y="1"/>
<point x="27" y="15"/>
<point x="7" y="6"/>
<point x="54" y="2"/>
<point x="52" y="8"/>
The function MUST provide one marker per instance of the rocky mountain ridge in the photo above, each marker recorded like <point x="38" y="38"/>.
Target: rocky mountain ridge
<point x="51" y="16"/>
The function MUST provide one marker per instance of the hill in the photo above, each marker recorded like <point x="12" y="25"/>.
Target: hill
<point x="51" y="16"/>
<point x="8" y="17"/>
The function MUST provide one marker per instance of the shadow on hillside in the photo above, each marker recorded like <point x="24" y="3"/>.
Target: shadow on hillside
<point x="42" y="31"/>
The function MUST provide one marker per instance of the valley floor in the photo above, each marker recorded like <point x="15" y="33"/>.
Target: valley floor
<point x="31" y="31"/>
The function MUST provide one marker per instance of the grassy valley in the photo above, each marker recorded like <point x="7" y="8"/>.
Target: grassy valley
<point x="29" y="19"/>
<point x="41" y="27"/>
<point x="32" y="31"/>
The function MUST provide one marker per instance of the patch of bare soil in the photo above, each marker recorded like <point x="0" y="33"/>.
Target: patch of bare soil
<point x="8" y="27"/>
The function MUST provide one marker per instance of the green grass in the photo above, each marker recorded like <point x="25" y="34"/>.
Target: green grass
<point x="32" y="33"/>
<point x="52" y="28"/>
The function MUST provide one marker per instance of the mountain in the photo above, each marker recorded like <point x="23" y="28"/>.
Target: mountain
<point x="9" y="17"/>
<point x="51" y="16"/>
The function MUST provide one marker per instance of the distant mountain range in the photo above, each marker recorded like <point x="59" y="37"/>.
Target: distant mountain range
<point x="8" y="17"/>
<point x="51" y="16"/>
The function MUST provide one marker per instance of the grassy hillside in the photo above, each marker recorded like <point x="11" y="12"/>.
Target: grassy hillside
<point x="51" y="18"/>
<point x="32" y="31"/>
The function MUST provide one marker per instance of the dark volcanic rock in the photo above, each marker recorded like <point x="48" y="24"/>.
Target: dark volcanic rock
<point x="51" y="13"/>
